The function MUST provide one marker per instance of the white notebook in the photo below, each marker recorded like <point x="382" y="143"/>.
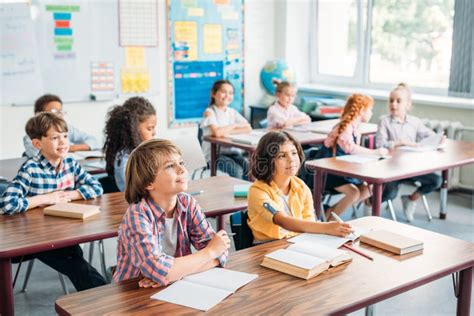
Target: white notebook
<point x="328" y="240"/>
<point x="206" y="289"/>
<point x="361" y="159"/>
<point x="248" y="139"/>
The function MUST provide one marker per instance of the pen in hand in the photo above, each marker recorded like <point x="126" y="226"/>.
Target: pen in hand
<point x="339" y="220"/>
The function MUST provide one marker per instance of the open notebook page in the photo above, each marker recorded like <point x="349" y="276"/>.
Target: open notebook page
<point x="296" y="259"/>
<point x="329" y="240"/>
<point x="224" y="279"/>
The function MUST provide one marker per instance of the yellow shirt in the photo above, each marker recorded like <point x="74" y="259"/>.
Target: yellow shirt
<point x="300" y="203"/>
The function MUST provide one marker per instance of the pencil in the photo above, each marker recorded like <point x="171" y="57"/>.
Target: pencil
<point x="358" y="252"/>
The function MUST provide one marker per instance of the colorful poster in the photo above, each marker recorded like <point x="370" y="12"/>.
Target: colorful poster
<point x="185" y="35"/>
<point x="212" y="38"/>
<point x="135" y="56"/>
<point x="195" y="12"/>
<point x="63" y="30"/>
<point x="135" y="80"/>
<point x="102" y="77"/>
<point x="138" y="22"/>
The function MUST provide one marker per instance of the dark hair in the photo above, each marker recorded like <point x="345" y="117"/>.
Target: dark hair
<point x="39" y="125"/>
<point x="141" y="107"/>
<point x="144" y="163"/>
<point x="263" y="160"/>
<point x="281" y="85"/>
<point x="121" y="129"/>
<point x="216" y="86"/>
<point x="42" y="101"/>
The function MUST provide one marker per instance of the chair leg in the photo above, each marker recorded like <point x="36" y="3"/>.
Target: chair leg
<point x="102" y="259"/>
<point x="392" y="210"/>
<point x="63" y="283"/>
<point x="427" y="207"/>
<point x="355" y="208"/>
<point x="17" y="272"/>
<point x="91" y="251"/>
<point x="323" y="213"/>
<point x="27" y="276"/>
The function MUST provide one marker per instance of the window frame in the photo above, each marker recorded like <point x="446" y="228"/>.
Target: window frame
<point x="361" y="77"/>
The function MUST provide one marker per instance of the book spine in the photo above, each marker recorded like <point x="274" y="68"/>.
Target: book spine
<point x="380" y="244"/>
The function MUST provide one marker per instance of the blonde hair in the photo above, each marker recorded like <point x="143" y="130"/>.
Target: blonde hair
<point x="355" y="105"/>
<point x="143" y="164"/>
<point x="282" y="85"/>
<point x="403" y="87"/>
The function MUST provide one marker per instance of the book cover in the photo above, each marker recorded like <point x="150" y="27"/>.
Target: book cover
<point x="391" y="241"/>
<point x="72" y="210"/>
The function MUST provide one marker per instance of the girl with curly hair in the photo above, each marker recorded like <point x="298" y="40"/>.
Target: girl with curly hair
<point x="126" y="127"/>
<point x="343" y="140"/>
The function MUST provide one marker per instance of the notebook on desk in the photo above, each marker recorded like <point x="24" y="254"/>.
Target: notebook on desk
<point x="72" y="210"/>
<point x="206" y="289"/>
<point x="391" y="241"/>
<point x="249" y="139"/>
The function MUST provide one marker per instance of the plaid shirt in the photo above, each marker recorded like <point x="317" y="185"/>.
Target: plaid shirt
<point x="139" y="250"/>
<point x="38" y="176"/>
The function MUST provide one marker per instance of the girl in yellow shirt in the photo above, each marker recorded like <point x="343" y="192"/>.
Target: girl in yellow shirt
<point x="280" y="204"/>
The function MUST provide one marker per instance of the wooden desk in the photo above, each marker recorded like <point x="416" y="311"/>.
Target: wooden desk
<point x="305" y="138"/>
<point x="343" y="290"/>
<point x="9" y="167"/>
<point x="402" y="165"/>
<point x="32" y="232"/>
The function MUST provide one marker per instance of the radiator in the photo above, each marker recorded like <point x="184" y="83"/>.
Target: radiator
<point x="456" y="131"/>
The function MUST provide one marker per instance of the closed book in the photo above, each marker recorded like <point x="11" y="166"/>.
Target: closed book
<point x="391" y="241"/>
<point x="241" y="190"/>
<point x="72" y="210"/>
<point x="305" y="260"/>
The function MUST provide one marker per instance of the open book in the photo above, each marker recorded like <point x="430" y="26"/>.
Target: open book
<point x="328" y="240"/>
<point x="86" y="154"/>
<point x="305" y="260"/>
<point x="206" y="289"/>
<point x="432" y="142"/>
<point x="72" y="210"/>
<point x="361" y="159"/>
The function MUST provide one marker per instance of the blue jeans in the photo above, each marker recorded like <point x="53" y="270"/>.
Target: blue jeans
<point x="429" y="183"/>
<point x="236" y="165"/>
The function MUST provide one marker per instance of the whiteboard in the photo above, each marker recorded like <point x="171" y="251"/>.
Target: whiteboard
<point x="34" y="63"/>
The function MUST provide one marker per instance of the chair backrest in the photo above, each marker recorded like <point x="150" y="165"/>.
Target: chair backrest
<point x="243" y="237"/>
<point x="192" y="153"/>
<point x="108" y="184"/>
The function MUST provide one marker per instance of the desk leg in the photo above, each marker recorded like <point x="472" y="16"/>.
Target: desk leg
<point x="317" y="193"/>
<point x="6" y="289"/>
<point x="443" y="195"/>
<point x="213" y="159"/>
<point x="465" y="287"/>
<point x="377" y="199"/>
<point x="220" y="222"/>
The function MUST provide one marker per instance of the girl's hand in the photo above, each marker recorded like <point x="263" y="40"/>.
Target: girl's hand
<point x="338" y="229"/>
<point x="218" y="244"/>
<point x="382" y="151"/>
<point x="146" y="283"/>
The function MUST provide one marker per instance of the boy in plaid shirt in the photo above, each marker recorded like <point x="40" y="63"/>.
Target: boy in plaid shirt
<point x="162" y="222"/>
<point x="49" y="178"/>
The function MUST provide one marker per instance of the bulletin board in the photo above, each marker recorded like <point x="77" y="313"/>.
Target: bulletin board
<point x="79" y="50"/>
<point x="205" y="44"/>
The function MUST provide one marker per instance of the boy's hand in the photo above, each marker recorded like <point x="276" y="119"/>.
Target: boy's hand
<point x="382" y="151"/>
<point x="218" y="244"/>
<point x="338" y="229"/>
<point x="146" y="283"/>
<point x="56" y="197"/>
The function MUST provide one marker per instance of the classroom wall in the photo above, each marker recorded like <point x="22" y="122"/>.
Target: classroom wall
<point x="90" y="116"/>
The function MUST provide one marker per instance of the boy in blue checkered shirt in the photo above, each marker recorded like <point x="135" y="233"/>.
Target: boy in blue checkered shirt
<point x="49" y="178"/>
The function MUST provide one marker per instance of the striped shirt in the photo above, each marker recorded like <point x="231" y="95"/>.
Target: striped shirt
<point x="141" y="233"/>
<point x="38" y="176"/>
<point x="391" y="129"/>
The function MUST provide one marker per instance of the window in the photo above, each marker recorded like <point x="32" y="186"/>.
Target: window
<point x="378" y="43"/>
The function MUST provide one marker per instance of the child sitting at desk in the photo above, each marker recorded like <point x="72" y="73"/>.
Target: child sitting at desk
<point x="280" y="204"/>
<point x="49" y="178"/>
<point x="162" y="223"/>
<point x="220" y="120"/>
<point x="344" y="139"/>
<point x="400" y="129"/>
<point x="283" y="113"/>
<point x="78" y="139"/>
<point x="126" y="127"/>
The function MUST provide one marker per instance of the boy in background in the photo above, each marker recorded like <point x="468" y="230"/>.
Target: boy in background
<point x="49" y="178"/>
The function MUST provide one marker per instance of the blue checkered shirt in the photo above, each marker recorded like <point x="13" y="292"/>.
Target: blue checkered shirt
<point x="38" y="176"/>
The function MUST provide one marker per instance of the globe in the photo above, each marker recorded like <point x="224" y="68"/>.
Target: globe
<point x="275" y="69"/>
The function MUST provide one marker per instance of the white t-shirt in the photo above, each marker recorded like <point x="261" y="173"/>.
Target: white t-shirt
<point x="220" y="118"/>
<point x="170" y="237"/>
